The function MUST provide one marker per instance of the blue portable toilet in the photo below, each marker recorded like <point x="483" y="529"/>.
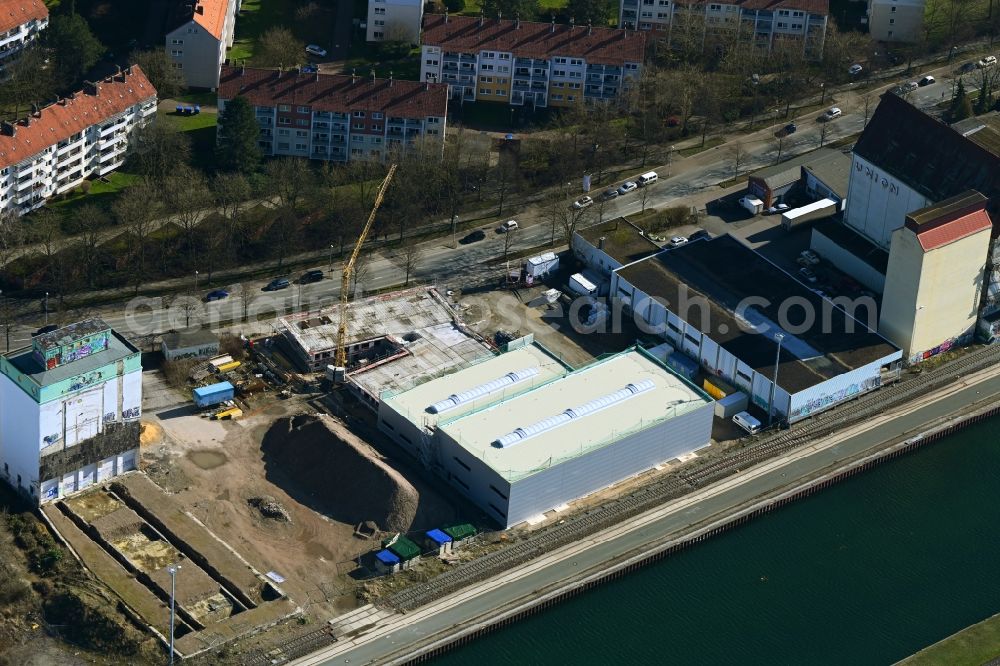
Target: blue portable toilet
<point x="386" y="562"/>
<point x="197" y="108"/>
<point x="179" y="109"/>
<point x="438" y="540"/>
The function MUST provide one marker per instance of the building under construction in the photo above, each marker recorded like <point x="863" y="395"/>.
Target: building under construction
<point x="393" y="341"/>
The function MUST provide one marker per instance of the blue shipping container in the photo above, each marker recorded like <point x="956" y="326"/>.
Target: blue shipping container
<point x="683" y="365"/>
<point x="213" y="394"/>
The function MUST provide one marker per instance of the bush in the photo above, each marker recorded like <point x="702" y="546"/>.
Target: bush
<point x="232" y="345"/>
<point x="88" y="626"/>
<point x="454" y="5"/>
<point x="85" y="187"/>
<point x="668" y="218"/>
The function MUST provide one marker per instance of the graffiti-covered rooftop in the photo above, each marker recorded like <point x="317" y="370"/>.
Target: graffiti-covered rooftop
<point x="27" y="362"/>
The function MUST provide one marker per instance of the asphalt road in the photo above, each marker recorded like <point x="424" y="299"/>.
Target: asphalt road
<point x="491" y="597"/>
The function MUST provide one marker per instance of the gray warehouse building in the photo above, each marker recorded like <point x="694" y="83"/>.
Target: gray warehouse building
<point x="521" y="434"/>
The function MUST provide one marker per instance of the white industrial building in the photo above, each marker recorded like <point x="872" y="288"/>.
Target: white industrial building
<point x="394" y="20"/>
<point x="69" y="410"/>
<point x="197" y="45"/>
<point x="720" y="303"/>
<point x="520" y="434"/>
<point x="83" y="135"/>
<point x="21" y="22"/>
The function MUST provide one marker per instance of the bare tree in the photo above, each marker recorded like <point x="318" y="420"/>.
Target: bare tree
<point x="291" y="179"/>
<point x="412" y="255"/>
<point x="87" y="224"/>
<point x="644" y="197"/>
<point x="187" y="197"/>
<point x="738" y="154"/>
<point x="362" y="268"/>
<point x="231" y="192"/>
<point x="867" y="99"/>
<point x="822" y="133"/>
<point x="507" y="240"/>
<point x="135" y="210"/>
<point x="247" y="294"/>
<point x="11" y="235"/>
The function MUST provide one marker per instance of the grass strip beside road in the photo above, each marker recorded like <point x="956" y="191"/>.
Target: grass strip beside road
<point x="971" y="646"/>
<point x="709" y="144"/>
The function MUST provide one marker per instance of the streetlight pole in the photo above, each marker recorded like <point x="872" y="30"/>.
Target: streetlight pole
<point x="196" y="282"/>
<point x="46" y="308"/>
<point x="778" y="337"/>
<point x="172" y="570"/>
<point x="332" y="246"/>
<point x="670" y="153"/>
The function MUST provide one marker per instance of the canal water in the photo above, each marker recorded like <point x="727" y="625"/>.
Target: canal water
<point x="866" y="572"/>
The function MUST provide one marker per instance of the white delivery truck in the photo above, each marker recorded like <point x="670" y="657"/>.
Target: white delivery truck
<point x="542" y="264"/>
<point x="817" y="210"/>
<point x="581" y="285"/>
<point x="747" y="422"/>
<point x="752" y="204"/>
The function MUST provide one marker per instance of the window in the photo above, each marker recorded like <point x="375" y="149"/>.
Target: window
<point x="557" y="97"/>
<point x="673" y="327"/>
<point x="576" y="61"/>
<point x="782" y="25"/>
<point x="177" y="65"/>
<point x="302" y="122"/>
<point x="301" y="133"/>
<point x="497" y="491"/>
<point x="283" y="132"/>
<point x="430" y="120"/>
<point x="357" y="151"/>
<point x="303" y="109"/>
<point x="486" y="79"/>
<point x="378" y="34"/>
<point x="376" y="128"/>
<point x="379" y="22"/>
<point x="379" y="11"/>
<point x="716" y="8"/>
<point x="282" y="146"/>
<point x="467" y="468"/>
<point x="358" y="114"/>
<point x="284" y="121"/>
<point x="486" y="68"/>
<point x="484" y="91"/>
<point x="357" y="138"/>
<point x="300" y="146"/>
<point x="432" y="63"/>
<point x="560" y="61"/>
<point x="177" y="42"/>
<point x="503" y="68"/>
<point x="284" y="107"/>
<point x="489" y="54"/>
<point x="889" y="34"/>
<point x="376" y="116"/>
<point x="358" y="126"/>
<point x="176" y="53"/>
<point x="570" y="98"/>
<point x="433" y="131"/>
<point x="891" y="21"/>
<point x="504" y="56"/>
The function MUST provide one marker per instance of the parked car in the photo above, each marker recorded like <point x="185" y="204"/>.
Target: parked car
<point x="509" y="225"/>
<point x="926" y="81"/>
<point x="807" y="275"/>
<point x="276" y="284"/>
<point x="854" y="69"/>
<point x="777" y="208"/>
<point x="698" y="235"/>
<point x="216" y="295"/>
<point x="582" y="202"/>
<point x="677" y="241"/>
<point x="968" y="67"/>
<point x="790" y="128"/>
<point x="988" y="61"/>
<point x="311" y="276"/>
<point x="809" y="257"/>
<point x="627" y="186"/>
<point x="317" y="51"/>
<point x="609" y="194"/>
<point x="473" y="236"/>
<point x="910" y="86"/>
<point x="831" y="113"/>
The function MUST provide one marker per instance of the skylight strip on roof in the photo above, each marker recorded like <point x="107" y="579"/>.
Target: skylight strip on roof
<point x="465" y="397"/>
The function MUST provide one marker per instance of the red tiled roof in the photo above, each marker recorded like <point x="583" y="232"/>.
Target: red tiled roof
<point x="606" y="46"/>
<point x="811" y="6"/>
<point x="957" y="229"/>
<point x="18" y="12"/>
<point x="339" y="93"/>
<point x="65" y="118"/>
<point x="212" y="16"/>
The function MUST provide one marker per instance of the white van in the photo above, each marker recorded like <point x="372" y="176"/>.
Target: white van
<point x="747" y="422"/>
<point x="647" y="178"/>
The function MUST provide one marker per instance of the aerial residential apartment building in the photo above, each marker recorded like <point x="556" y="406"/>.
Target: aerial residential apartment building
<point x="86" y="134"/>
<point x="767" y="24"/>
<point x="70" y="405"/>
<point x="528" y="64"/>
<point x="21" y="21"/>
<point x="338" y="117"/>
<point x="197" y="46"/>
<point x="394" y="20"/>
<point x="895" y="20"/>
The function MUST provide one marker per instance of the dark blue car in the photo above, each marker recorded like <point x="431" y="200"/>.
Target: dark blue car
<point x="276" y="284"/>
<point x="216" y="295"/>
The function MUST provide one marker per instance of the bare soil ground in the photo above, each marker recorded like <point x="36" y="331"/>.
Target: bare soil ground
<point x="215" y="468"/>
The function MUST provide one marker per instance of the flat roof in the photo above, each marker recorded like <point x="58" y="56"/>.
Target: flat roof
<point x="24" y="361"/>
<point x="414" y="404"/>
<point x="834" y="171"/>
<point x="668" y="397"/>
<point x="855" y="243"/>
<point x="723" y="273"/>
<point x="622" y="240"/>
<point x="184" y="339"/>
<point x="790" y="170"/>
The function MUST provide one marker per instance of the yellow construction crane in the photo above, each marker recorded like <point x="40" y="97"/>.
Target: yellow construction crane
<point x="340" y="358"/>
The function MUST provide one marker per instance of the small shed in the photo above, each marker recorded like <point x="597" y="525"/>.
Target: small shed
<point x="200" y="343"/>
<point x="407" y="551"/>
<point x="439" y="541"/>
<point x="460" y="534"/>
<point x="386" y="562"/>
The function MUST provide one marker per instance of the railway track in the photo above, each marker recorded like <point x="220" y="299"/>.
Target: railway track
<point x="293" y="649"/>
<point x="676" y="485"/>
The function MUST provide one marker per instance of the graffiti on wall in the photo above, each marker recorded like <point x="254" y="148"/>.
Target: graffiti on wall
<point x="109" y="417"/>
<point x="132" y="413"/>
<point x="51" y="439"/>
<point x="951" y="343"/>
<point x="827" y="399"/>
<point x="83" y="381"/>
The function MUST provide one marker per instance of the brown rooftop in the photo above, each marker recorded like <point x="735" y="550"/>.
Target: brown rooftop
<point x="338" y="93"/>
<point x="466" y="34"/>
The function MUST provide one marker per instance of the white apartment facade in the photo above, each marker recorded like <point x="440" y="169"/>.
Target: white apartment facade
<point x="895" y="20"/>
<point x="70" y="405"/>
<point x="21" y="22"/>
<point x="528" y="64"/>
<point x="765" y="24"/>
<point x="337" y="117"/>
<point x="394" y="20"/>
<point x="86" y="134"/>
<point x="197" y="46"/>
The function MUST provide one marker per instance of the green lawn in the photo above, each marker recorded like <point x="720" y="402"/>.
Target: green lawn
<point x="101" y="193"/>
<point x="256" y="16"/>
<point x="972" y="646"/>
<point x="202" y="98"/>
<point x="545" y="8"/>
<point x="201" y="130"/>
<point x="365" y="57"/>
<point x="710" y="142"/>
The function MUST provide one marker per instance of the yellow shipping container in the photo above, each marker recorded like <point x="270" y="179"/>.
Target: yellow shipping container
<point x="713" y="390"/>
<point x="232" y="365"/>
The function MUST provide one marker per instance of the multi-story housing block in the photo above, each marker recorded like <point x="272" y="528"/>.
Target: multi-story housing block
<point x="896" y="20"/>
<point x="86" y="134"/>
<point x="70" y="405"/>
<point x="338" y="117"/>
<point x="766" y="24"/>
<point x="394" y="20"/>
<point x="197" y="46"/>
<point x="534" y="64"/>
<point x="21" y="21"/>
